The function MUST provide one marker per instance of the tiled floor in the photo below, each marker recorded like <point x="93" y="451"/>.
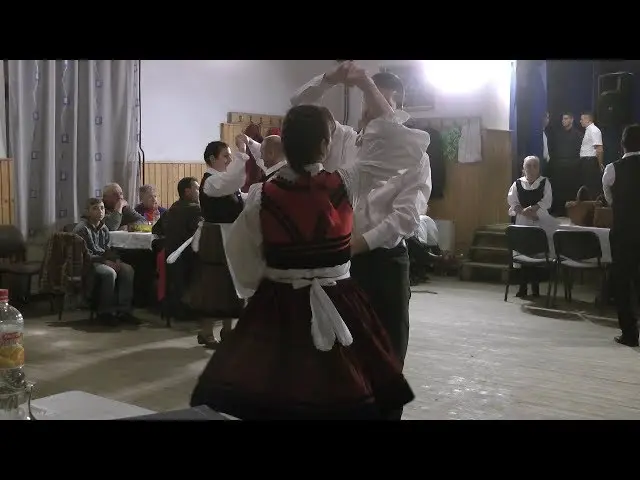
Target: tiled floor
<point x="471" y="356"/>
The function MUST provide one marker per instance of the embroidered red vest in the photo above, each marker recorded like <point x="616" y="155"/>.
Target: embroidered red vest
<point x="307" y="223"/>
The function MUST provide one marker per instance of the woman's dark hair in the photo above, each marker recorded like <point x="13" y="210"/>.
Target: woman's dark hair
<point x="304" y="129"/>
<point x="631" y="138"/>
<point x="213" y="150"/>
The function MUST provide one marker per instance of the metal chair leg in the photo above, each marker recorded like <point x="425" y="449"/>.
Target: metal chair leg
<point x="550" y="268"/>
<point x="60" y="299"/>
<point x="556" y="277"/>
<point x="506" y="289"/>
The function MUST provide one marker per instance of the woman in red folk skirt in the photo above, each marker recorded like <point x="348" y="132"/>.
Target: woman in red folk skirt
<point x="308" y="345"/>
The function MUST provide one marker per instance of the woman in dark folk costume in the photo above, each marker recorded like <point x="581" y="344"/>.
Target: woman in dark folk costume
<point x="529" y="200"/>
<point x="308" y="344"/>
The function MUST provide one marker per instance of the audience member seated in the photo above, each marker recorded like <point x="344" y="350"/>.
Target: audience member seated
<point x="148" y="206"/>
<point x="114" y="277"/>
<point x="529" y="200"/>
<point x="177" y="225"/>
<point x="119" y="215"/>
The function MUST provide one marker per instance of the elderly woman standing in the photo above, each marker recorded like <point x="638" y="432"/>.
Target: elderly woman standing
<point x="529" y="200"/>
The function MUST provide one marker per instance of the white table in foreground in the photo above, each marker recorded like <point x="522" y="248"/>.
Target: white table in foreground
<point x="132" y="240"/>
<point x="76" y="405"/>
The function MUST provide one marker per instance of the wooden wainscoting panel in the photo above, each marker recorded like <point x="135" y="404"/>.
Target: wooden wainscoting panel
<point x="166" y="175"/>
<point x="258" y="118"/>
<point x="7" y="199"/>
<point x="229" y="131"/>
<point x="475" y="194"/>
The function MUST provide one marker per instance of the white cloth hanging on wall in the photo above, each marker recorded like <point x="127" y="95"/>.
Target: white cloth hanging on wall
<point x="470" y="146"/>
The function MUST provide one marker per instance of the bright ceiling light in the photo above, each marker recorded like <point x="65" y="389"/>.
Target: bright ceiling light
<point x="463" y="76"/>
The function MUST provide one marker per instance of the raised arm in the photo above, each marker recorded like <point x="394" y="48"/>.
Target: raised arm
<point x="343" y="148"/>
<point x="230" y="181"/>
<point x="312" y="92"/>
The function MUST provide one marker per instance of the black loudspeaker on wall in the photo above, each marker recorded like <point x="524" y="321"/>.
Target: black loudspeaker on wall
<point x="615" y="99"/>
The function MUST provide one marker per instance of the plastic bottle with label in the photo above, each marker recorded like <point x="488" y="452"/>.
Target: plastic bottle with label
<point x="11" y="348"/>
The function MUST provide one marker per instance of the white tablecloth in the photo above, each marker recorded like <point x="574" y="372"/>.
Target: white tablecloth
<point x="132" y="240"/>
<point x="603" y="236"/>
<point x="76" y="405"/>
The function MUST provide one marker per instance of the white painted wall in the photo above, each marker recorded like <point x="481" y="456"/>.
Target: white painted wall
<point x="185" y="101"/>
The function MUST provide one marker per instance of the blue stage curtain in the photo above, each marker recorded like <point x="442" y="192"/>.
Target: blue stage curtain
<point x="513" y="113"/>
<point x="531" y="104"/>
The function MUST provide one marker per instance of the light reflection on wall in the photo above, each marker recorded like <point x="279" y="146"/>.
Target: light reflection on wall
<point x="468" y="76"/>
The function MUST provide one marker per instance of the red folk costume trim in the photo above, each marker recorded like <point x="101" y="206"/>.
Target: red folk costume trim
<point x="306" y="223"/>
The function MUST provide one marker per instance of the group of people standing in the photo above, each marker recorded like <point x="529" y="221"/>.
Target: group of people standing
<point x="317" y="249"/>
<point x="572" y="158"/>
<point x="531" y="198"/>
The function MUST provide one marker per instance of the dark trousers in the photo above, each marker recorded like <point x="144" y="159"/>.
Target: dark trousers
<point x="591" y="176"/>
<point x="384" y="276"/>
<point x="564" y="175"/>
<point x="179" y="277"/>
<point x="530" y="275"/>
<point x="626" y="262"/>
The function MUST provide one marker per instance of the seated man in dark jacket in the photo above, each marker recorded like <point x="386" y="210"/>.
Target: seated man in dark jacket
<point x="177" y="225"/>
<point x="115" y="278"/>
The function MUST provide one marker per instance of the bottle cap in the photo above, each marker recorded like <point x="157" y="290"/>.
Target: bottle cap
<point x="4" y="295"/>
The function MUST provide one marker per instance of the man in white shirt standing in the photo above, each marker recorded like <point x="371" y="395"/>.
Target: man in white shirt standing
<point x="591" y="156"/>
<point x="620" y="185"/>
<point x="383" y="217"/>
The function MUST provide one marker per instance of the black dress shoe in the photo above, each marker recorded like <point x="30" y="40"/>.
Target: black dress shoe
<point x="628" y="341"/>
<point x="522" y="292"/>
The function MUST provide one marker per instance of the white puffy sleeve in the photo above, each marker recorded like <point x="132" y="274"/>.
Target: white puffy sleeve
<point x="244" y="245"/>
<point x="512" y="199"/>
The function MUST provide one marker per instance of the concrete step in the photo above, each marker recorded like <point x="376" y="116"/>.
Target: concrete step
<point x="471" y="270"/>
<point x="489" y="248"/>
<point x="488" y="254"/>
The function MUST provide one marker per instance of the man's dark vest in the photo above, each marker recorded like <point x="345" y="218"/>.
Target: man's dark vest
<point x="626" y="198"/>
<point x="220" y="209"/>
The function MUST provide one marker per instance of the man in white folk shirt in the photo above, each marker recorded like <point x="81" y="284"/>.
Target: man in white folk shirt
<point x="620" y="185"/>
<point x="383" y="216"/>
<point x="591" y="156"/>
<point x="268" y="154"/>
